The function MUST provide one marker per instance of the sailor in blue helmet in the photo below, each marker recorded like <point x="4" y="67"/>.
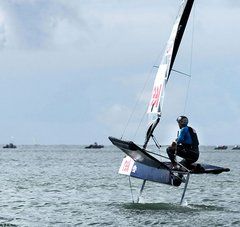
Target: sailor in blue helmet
<point x="185" y="146"/>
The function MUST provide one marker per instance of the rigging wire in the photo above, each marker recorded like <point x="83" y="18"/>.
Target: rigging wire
<point x="137" y="102"/>
<point x="140" y="123"/>
<point x="144" y="113"/>
<point x="190" y="67"/>
<point x="140" y="97"/>
<point x="156" y="142"/>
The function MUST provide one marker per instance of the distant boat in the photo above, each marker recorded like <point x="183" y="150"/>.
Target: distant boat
<point x="236" y="147"/>
<point x="94" y="146"/>
<point x="223" y="147"/>
<point x="10" y="145"/>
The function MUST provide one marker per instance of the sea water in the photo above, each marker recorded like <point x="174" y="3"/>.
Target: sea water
<point x="72" y="186"/>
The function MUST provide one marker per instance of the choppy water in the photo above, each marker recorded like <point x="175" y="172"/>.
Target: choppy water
<point x="71" y="186"/>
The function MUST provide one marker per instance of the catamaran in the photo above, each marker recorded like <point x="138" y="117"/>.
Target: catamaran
<point x="140" y="163"/>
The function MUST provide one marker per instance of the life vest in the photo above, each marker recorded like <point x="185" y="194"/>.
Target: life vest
<point x="194" y="137"/>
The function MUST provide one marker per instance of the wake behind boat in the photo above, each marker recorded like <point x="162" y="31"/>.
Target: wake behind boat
<point x="139" y="163"/>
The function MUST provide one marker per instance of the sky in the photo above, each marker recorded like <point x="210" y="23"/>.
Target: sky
<point x="76" y="72"/>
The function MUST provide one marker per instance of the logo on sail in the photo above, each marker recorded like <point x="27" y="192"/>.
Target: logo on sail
<point x="155" y="97"/>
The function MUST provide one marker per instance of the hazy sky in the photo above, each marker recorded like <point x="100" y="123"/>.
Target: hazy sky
<point x="71" y="71"/>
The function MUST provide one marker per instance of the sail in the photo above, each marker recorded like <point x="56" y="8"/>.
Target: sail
<point x="164" y="70"/>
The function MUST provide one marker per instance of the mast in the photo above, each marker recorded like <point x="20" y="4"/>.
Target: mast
<point x="164" y="70"/>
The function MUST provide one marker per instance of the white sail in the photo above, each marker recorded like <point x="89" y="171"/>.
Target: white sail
<point x="164" y="70"/>
<point x="157" y="98"/>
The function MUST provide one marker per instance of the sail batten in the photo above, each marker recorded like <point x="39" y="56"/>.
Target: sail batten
<point x="164" y="70"/>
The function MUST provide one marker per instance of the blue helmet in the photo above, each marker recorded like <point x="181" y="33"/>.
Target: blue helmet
<point x="182" y="120"/>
